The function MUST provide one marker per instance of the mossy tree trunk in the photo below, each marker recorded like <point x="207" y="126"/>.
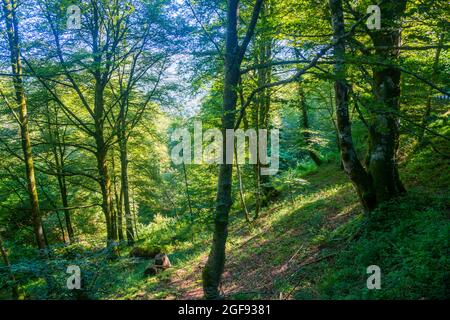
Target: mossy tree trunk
<point x="123" y="146"/>
<point x="352" y="166"/>
<point x="12" y="26"/>
<point x="384" y="125"/>
<point x="59" y="155"/>
<point x="234" y="54"/>
<point x="261" y="116"/>
<point x="102" y="164"/>
<point x="381" y="181"/>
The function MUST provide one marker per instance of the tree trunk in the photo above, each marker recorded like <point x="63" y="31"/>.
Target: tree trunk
<point x="65" y="202"/>
<point x="336" y="131"/>
<point x="105" y="185"/>
<point x="58" y="154"/>
<point x="265" y="190"/>
<point x="120" y="217"/>
<point x="124" y="181"/>
<point x="102" y="165"/>
<point x="216" y="260"/>
<point x="241" y="187"/>
<point x="59" y="158"/>
<point x="118" y="199"/>
<point x="384" y="126"/>
<point x="352" y="166"/>
<point x="16" y="66"/>
<point x="234" y="54"/>
<point x="114" y="229"/>
<point x="257" y="166"/>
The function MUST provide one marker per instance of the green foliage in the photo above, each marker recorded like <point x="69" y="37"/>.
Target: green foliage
<point x="311" y="241"/>
<point x="408" y="240"/>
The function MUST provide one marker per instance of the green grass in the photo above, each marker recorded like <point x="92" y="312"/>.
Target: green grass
<point x="407" y="238"/>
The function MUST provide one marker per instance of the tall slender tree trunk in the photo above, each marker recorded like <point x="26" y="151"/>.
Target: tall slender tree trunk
<point x="102" y="164"/>
<point x="60" y="162"/>
<point x="336" y="131"/>
<point x="65" y="202"/>
<point x="61" y="227"/>
<point x="9" y="9"/>
<point x="265" y="190"/>
<point x="216" y="260"/>
<point x="114" y="228"/>
<point x="238" y="169"/>
<point x="257" y="166"/>
<point x="120" y="217"/>
<point x="135" y="214"/>
<point x="118" y="199"/>
<point x="101" y="74"/>
<point x="124" y="179"/>
<point x="241" y="187"/>
<point x="105" y="185"/>
<point x="58" y="154"/>
<point x="234" y="54"/>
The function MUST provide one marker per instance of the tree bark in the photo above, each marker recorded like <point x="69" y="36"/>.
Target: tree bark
<point x="118" y="196"/>
<point x="336" y="131"/>
<point x="262" y="110"/>
<point x="352" y="166"/>
<point x="216" y="260"/>
<point x="65" y="202"/>
<point x="120" y="217"/>
<point x="384" y="126"/>
<point x="101" y="78"/>
<point x="233" y="58"/>
<point x="123" y="141"/>
<point x="102" y="165"/>
<point x="58" y="152"/>
<point x="9" y="9"/>
<point x="241" y="187"/>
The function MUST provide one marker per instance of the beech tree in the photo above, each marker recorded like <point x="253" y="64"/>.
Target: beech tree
<point x="380" y="181"/>
<point x="92" y="92"/>
<point x="113" y="44"/>
<point x="12" y="30"/>
<point x="233" y="56"/>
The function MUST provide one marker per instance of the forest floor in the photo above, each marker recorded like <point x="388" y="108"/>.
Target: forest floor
<point x="318" y="244"/>
<point x="313" y="242"/>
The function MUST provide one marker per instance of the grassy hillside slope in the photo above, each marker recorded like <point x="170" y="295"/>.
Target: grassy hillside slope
<point x="314" y="242"/>
<point x="319" y="244"/>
